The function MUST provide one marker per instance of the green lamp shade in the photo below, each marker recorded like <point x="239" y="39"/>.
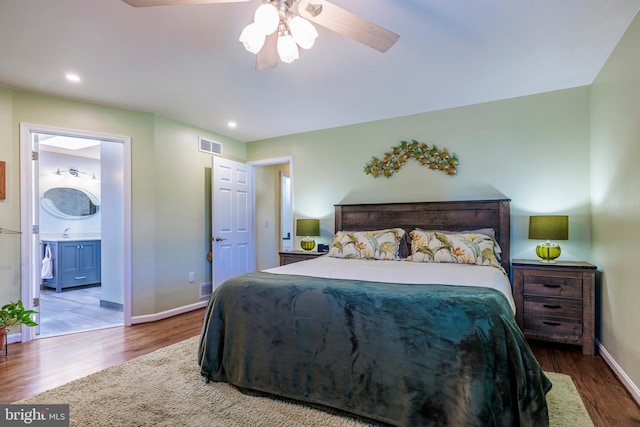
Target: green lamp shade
<point x="308" y="227"/>
<point x="548" y="227"/>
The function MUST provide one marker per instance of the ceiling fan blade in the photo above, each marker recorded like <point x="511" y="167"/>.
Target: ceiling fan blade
<point x="348" y="24"/>
<point x="146" y="3"/>
<point x="268" y="55"/>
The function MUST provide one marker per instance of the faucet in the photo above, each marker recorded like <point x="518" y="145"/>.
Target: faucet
<point x="65" y="233"/>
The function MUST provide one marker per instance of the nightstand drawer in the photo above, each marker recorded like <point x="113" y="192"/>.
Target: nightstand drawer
<point x="555" y="307"/>
<point x="551" y="326"/>
<point x="553" y="286"/>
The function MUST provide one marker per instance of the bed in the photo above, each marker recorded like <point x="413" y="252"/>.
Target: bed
<point x="398" y="342"/>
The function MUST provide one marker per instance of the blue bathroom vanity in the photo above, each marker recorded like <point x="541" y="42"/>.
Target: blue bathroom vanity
<point x="75" y="263"/>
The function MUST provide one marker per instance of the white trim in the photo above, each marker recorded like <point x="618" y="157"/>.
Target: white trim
<point x="13" y="338"/>
<point x="127" y="251"/>
<point x="146" y="318"/>
<point x="619" y="372"/>
<point x="273" y="161"/>
<point x="30" y="261"/>
<point x="168" y="313"/>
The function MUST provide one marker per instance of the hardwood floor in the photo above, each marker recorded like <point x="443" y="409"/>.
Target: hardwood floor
<point x="607" y="401"/>
<point x="50" y="362"/>
<point x="46" y="363"/>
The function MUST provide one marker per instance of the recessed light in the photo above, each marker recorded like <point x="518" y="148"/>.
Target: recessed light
<point x="72" y="77"/>
<point x="232" y="124"/>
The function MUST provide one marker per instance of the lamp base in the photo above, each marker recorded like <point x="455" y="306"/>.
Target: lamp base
<point x="548" y="252"/>
<point x="308" y="244"/>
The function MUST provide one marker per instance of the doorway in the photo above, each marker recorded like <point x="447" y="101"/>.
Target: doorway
<point x="74" y="202"/>
<point x="274" y="209"/>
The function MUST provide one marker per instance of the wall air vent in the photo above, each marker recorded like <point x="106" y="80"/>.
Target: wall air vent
<point x="206" y="289"/>
<point x="209" y="146"/>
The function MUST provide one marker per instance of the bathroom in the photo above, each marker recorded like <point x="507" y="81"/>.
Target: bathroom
<point x="73" y="295"/>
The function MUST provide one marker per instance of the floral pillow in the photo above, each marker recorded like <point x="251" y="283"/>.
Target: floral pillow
<point x="461" y="248"/>
<point x="378" y="244"/>
<point x="486" y="231"/>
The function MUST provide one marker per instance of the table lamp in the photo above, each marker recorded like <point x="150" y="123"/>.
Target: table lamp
<point x="307" y="228"/>
<point x="547" y="228"/>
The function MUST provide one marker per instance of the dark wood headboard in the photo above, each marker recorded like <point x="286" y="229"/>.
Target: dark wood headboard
<point x="453" y="216"/>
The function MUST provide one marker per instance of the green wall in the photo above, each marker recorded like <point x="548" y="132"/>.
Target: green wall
<point x="615" y="198"/>
<point x="170" y="202"/>
<point x="10" y="207"/>
<point x="533" y="150"/>
<point x="570" y="152"/>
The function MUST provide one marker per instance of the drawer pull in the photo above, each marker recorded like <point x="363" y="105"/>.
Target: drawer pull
<point x="80" y="277"/>
<point x="551" y="286"/>
<point x="546" y="322"/>
<point x="551" y="306"/>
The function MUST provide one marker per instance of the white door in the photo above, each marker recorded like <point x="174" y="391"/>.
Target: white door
<point x="232" y="220"/>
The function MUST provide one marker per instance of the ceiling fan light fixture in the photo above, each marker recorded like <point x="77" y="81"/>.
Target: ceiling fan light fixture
<point x="287" y="48"/>
<point x="252" y="38"/>
<point x="267" y="18"/>
<point x="303" y="32"/>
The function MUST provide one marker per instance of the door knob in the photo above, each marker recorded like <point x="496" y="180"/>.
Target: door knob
<point x="220" y="239"/>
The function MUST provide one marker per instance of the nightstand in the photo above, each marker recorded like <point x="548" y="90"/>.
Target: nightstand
<point x="297" y="256"/>
<point x="556" y="302"/>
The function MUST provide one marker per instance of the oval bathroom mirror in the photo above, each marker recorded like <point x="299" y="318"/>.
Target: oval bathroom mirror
<point x="70" y="203"/>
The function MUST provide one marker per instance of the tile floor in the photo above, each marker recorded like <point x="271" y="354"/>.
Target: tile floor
<point x="74" y="310"/>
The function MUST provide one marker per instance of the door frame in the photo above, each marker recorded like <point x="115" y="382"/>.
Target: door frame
<point x="30" y="249"/>
<point x="278" y="161"/>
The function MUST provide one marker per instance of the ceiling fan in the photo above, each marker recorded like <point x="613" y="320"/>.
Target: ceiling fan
<point x="281" y="26"/>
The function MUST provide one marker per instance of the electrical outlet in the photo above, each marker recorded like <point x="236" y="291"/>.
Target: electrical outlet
<point x="192" y="277"/>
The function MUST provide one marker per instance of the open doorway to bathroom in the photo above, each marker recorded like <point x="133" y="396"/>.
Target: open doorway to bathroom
<point x="77" y="207"/>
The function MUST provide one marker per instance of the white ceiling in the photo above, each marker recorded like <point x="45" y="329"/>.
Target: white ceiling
<point x="185" y="62"/>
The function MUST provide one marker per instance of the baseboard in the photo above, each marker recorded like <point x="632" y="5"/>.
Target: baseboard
<point x="109" y="305"/>
<point x="168" y="313"/>
<point x="17" y="337"/>
<point x="12" y="338"/>
<point x="617" y="369"/>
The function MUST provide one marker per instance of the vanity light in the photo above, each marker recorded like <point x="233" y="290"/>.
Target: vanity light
<point x="75" y="173"/>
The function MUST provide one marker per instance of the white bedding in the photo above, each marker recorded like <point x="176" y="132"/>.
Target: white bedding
<point x="401" y="272"/>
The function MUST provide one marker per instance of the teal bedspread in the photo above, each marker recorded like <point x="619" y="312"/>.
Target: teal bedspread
<point x="405" y="355"/>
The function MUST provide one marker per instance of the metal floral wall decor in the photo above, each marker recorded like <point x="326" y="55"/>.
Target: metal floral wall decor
<point x="427" y="155"/>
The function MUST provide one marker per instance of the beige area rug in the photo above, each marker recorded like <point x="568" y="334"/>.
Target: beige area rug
<point x="165" y="388"/>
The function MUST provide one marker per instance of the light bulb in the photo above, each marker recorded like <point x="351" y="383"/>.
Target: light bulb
<point x="287" y="48"/>
<point x="303" y="32"/>
<point x="252" y="38"/>
<point x="267" y="18"/>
